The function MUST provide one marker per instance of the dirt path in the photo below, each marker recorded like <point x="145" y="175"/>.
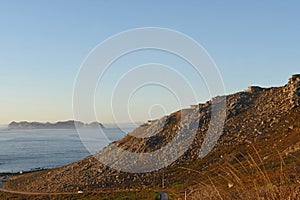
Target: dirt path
<point x="35" y="193"/>
<point x="163" y="195"/>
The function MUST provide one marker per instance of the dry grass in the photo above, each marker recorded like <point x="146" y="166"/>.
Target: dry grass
<point x="250" y="178"/>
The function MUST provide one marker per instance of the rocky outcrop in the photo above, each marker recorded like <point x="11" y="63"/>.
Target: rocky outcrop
<point x="254" y="89"/>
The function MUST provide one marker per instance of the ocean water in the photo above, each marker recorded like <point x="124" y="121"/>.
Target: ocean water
<point x="23" y="150"/>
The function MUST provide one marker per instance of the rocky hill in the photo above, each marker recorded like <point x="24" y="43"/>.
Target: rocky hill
<point x="71" y="124"/>
<point x="259" y="148"/>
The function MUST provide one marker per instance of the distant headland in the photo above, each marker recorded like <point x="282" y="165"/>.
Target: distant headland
<point x="71" y="124"/>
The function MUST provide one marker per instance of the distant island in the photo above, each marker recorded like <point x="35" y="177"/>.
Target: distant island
<point x="71" y="124"/>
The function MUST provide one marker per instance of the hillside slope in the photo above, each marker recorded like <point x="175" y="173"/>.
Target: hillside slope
<point x="261" y="138"/>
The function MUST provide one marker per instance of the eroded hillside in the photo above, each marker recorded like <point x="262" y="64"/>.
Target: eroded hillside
<point x="262" y="128"/>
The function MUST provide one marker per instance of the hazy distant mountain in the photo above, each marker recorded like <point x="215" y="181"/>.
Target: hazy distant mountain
<point x="71" y="124"/>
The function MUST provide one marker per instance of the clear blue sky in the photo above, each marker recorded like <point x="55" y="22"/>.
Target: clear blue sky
<point x="43" y="43"/>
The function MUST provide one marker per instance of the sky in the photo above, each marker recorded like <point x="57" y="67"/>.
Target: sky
<point x="44" y="43"/>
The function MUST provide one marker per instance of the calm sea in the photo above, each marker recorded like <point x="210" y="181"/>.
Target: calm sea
<point x="22" y="150"/>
